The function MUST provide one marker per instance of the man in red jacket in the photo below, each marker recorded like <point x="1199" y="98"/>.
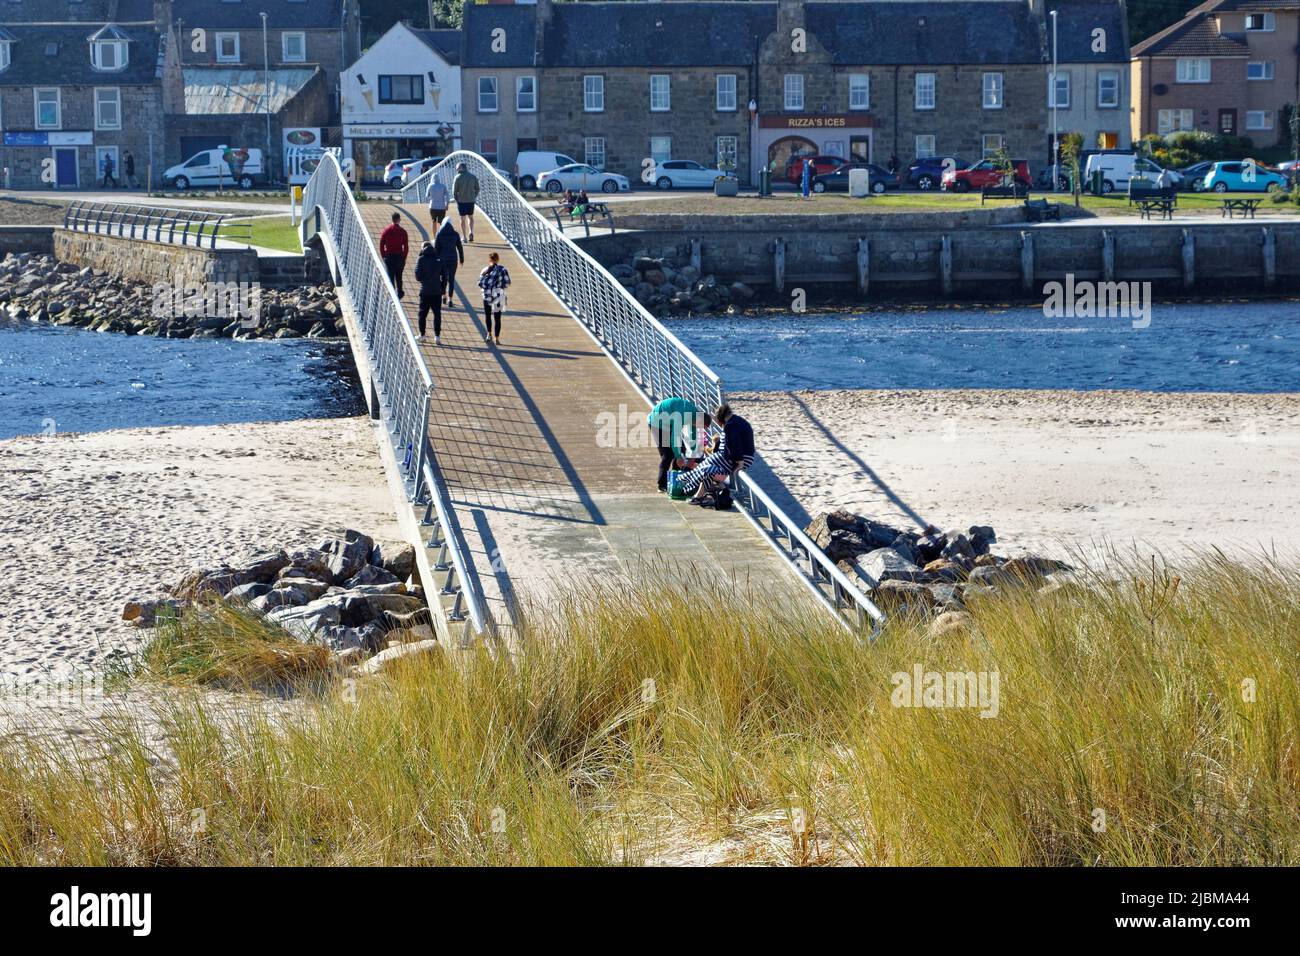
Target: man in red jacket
<point x="392" y="249"/>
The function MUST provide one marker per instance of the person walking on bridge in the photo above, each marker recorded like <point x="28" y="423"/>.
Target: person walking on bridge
<point x="393" y="250"/>
<point x="464" y="189"/>
<point x="450" y="252"/>
<point x="428" y="272"/>
<point x="669" y="422"/>
<point x="437" y="203"/>
<point x="493" y="281"/>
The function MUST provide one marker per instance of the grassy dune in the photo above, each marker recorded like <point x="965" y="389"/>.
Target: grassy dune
<point x="1151" y="724"/>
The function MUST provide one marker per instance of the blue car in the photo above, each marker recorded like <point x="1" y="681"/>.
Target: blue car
<point x="1242" y="176"/>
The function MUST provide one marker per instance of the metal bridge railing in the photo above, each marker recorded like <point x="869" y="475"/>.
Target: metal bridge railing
<point x="401" y="380"/>
<point x="177" y="226"/>
<point x="655" y="359"/>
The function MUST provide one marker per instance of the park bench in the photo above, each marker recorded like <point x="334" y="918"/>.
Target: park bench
<point x="595" y="212"/>
<point x="1247" y="207"/>
<point x="1040" y="210"/>
<point x="1150" y="199"/>
<point x="1004" y="192"/>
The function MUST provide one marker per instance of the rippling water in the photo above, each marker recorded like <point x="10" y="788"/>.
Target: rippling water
<point x="71" y="380"/>
<point x="1214" y="347"/>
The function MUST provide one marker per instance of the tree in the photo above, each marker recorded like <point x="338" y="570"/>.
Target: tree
<point x="1071" y="146"/>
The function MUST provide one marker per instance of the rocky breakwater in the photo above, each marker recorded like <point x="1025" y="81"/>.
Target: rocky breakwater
<point x="348" y="593"/>
<point x="665" y="288"/>
<point x="929" y="573"/>
<point x="42" y="289"/>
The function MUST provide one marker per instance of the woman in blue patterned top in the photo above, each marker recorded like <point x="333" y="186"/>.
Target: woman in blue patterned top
<point x="493" y="281"/>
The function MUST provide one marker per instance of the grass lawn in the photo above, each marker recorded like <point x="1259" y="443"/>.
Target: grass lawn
<point x="270" y="232"/>
<point x="30" y="212"/>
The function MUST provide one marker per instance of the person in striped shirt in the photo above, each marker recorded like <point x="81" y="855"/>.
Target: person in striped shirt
<point x="493" y="281"/>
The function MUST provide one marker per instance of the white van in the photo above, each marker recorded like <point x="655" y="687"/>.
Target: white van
<point x="209" y="168"/>
<point x="531" y="163"/>
<point x="1119" y="169"/>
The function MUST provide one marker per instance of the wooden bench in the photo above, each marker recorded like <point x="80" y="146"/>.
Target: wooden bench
<point x="1247" y="207"/>
<point x="1040" y="210"/>
<point x="1004" y="192"/>
<point x="597" y="212"/>
<point x="1147" y="206"/>
<point x="1139" y="190"/>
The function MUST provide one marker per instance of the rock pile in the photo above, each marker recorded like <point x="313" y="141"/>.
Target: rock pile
<point x="931" y="572"/>
<point x="41" y="289"/>
<point x="666" y="289"/>
<point x="349" y="593"/>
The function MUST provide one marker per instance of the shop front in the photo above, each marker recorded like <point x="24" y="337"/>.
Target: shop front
<point x="373" y="146"/>
<point x="781" y="137"/>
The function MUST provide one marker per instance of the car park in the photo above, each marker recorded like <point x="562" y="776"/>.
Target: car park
<point x="985" y="174"/>
<point x="581" y="176"/>
<point x="531" y="163"/>
<point x="685" y="174"/>
<point x="1243" y="176"/>
<point x="927" y="172"/>
<point x="1119" y="169"/>
<point x="837" y="180"/>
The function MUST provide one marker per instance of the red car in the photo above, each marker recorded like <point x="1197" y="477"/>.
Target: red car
<point x="983" y="174"/>
<point x="820" y="165"/>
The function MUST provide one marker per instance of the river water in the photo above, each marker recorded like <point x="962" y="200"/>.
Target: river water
<point x="66" y="379"/>
<point x="1218" y="347"/>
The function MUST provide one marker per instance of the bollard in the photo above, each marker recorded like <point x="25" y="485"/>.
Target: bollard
<point x="1268" y="243"/>
<point x="1189" y="259"/>
<point x="1107" y="255"/>
<point x="1026" y="261"/>
<point x="945" y="264"/>
<point x="778" y="263"/>
<point x="864" y="265"/>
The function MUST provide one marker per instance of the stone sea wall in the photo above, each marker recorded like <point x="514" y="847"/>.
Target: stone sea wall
<point x="155" y="261"/>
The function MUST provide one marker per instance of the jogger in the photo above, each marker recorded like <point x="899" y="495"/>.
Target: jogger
<point x="464" y="189"/>
<point x="437" y="203"/>
<point x="493" y="280"/>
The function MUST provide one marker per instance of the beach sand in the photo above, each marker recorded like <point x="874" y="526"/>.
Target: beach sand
<point x="1049" y="470"/>
<point x="92" y="520"/>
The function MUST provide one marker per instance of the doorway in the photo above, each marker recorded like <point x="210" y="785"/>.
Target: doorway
<point x="860" y="149"/>
<point x="65" y="168"/>
<point x="783" y="150"/>
<point x="1228" y="122"/>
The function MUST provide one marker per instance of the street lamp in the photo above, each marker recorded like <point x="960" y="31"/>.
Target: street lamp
<point x="266" y="87"/>
<point x="1056" y="145"/>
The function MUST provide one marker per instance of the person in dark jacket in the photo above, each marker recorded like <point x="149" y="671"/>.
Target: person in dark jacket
<point x="128" y="170"/>
<point x="428" y="272"/>
<point x="450" y="252"/>
<point x="708" y="480"/>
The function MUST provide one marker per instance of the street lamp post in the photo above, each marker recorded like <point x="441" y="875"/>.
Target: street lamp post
<point x="266" y="92"/>
<point x="1056" y="145"/>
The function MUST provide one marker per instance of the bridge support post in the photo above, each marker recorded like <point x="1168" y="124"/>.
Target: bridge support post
<point x="374" y="399"/>
<point x="1189" y="259"/>
<point x="1268" y="248"/>
<point x="778" y="263"/>
<point x="945" y="264"/>
<point x="1107" y="255"/>
<point x="864" y="265"/>
<point x="1026" y="261"/>
<point x="695" y="254"/>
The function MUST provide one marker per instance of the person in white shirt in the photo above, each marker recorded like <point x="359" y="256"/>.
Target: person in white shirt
<point x="437" y="203"/>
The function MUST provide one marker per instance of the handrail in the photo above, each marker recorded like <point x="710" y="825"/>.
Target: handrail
<point x="129" y="221"/>
<point x="402" y="383"/>
<point x="656" y="361"/>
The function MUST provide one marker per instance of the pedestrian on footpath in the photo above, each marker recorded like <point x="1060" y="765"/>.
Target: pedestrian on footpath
<point x="128" y="170"/>
<point x="437" y="203"/>
<point x="450" y="251"/>
<point x="805" y="178"/>
<point x="464" y="189"/>
<point x="108" y="171"/>
<point x="428" y="272"/>
<point x="393" y="250"/>
<point x="673" y="425"/>
<point x="493" y="281"/>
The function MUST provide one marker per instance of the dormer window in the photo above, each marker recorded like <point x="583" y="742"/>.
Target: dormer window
<point x="108" y="49"/>
<point x="6" y="57"/>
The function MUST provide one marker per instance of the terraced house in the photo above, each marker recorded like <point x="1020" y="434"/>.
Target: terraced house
<point x="750" y="84"/>
<point x="1228" y="66"/>
<point x="80" y="80"/>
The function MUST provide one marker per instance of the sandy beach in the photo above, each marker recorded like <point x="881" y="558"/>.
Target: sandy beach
<point x="1048" y="470"/>
<point x="91" y="520"/>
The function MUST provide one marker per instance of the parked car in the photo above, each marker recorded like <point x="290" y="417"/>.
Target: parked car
<point x="582" y="176"/>
<point x="1119" y="169"/>
<point x="685" y="173"/>
<point x="927" y="172"/>
<point x="984" y="174"/>
<point x="1194" y="176"/>
<point x="837" y="181"/>
<point x="820" y="164"/>
<point x="531" y="163"/>
<point x="393" y="171"/>
<point x="1290" y="169"/>
<point x="213" y="167"/>
<point x="417" y="168"/>
<point x="1243" y="176"/>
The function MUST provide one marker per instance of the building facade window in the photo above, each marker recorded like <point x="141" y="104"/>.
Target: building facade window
<point x="859" y="91"/>
<point x="1261" y="22"/>
<point x="593" y="151"/>
<point x="661" y="148"/>
<point x="227" y="47"/>
<point x="108" y="107"/>
<point x="401" y="89"/>
<point x="1261" y="70"/>
<point x="487" y="148"/>
<point x="990" y="144"/>
<point x="794" y="92"/>
<point x="660" y="93"/>
<point x="1259" y="119"/>
<point x="925" y="145"/>
<point x="487" y="94"/>
<point x="49" y="112"/>
<point x="1108" y="90"/>
<point x="727" y="151"/>
<point x="526" y="94"/>
<point x="4" y="55"/>
<point x="293" y="47"/>
<point x="108" y="55"/>
<point x="1192" y="69"/>
<point x="726" y="99"/>
<point x="1058" y="91"/>
<point x="925" y="96"/>
<point x="1171" y="121"/>
<point x="593" y="94"/>
<point x="992" y="91"/>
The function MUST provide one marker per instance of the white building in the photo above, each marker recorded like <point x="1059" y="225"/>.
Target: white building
<point x="402" y="99"/>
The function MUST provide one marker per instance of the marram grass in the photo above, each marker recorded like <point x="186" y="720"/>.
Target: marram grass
<point x="1152" y="725"/>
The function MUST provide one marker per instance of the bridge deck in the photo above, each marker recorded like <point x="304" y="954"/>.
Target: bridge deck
<point x="541" y="502"/>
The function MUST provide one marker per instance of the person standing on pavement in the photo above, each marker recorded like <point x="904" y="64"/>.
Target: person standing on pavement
<point x="393" y="250"/>
<point x="108" y="171"/>
<point x="428" y="272"/>
<point x="493" y="281"/>
<point x="805" y="178"/>
<point x="450" y="252"/>
<point x="437" y="203"/>
<point x="464" y="189"/>
<point x="128" y="171"/>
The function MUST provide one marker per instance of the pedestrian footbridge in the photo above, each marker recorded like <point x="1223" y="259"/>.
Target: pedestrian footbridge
<point x="522" y="469"/>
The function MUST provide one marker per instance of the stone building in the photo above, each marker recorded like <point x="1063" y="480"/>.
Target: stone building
<point x="1228" y="66"/>
<point x="1092" y="76"/>
<point x="617" y="84"/>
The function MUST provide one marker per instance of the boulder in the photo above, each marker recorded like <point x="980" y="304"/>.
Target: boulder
<point x="981" y="536"/>
<point x="305" y="621"/>
<point x="903" y="545"/>
<point x="311" y="562"/>
<point x="144" y="613"/>
<point x="886" y="564"/>
<point x="958" y="546"/>
<point x="899" y="597"/>
<point x="397" y="558"/>
<point x="347" y="555"/>
<point x="988" y="576"/>
<point x="302" y="581"/>
<point x="278" y="598"/>
<point x="246" y="592"/>
<point x="951" y="624"/>
<point x="946" y="568"/>
<point x="928" y="547"/>
<point x="371" y="575"/>
<point x="388" y="657"/>
<point x="340" y="639"/>
<point x="946" y="596"/>
<point x="1032" y="568"/>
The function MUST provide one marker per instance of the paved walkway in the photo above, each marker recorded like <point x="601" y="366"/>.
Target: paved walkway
<point x="542" y="502"/>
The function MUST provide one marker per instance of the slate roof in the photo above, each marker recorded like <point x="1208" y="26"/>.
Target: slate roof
<point x="446" y="43"/>
<point x="1075" y="23"/>
<point x="69" y="65"/>
<point x="62" y="11"/>
<point x="280" y="14"/>
<point x="520" y="24"/>
<point x="927" y="34"/>
<point x="1197" y="34"/>
<point x="657" y="34"/>
<point x="208" y="89"/>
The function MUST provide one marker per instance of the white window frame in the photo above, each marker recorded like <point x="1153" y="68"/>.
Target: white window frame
<point x="58" y="107"/>
<point x="591" y="146"/>
<point x="666" y="153"/>
<point x="1269" y="70"/>
<point x="519" y="94"/>
<point x="492" y="155"/>
<point x="495" y="93"/>
<point x="5" y="56"/>
<point x="987" y="151"/>
<point x="1101" y="100"/>
<point x="1268" y="23"/>
<point x="1171" y="120"/>
<point x="1055" y="86"/>
<point x="221" y="57"/>
<point x="991" y="91"/>
<point x="733" y="153"/>
<point x="793" y="89"/>
<point x="117" y="105"/>
<point x="726" y="92"/>
<point x="927" y="91"/>
<point x="661" y="93"/>
<point x="593" y="91"/>
<point x="1264" y="121"/>
<point x="284" y="46"/>
<point x="860" y="83"/>
<point x="925" y="150"/>
<point x="1184" y="72"/>
<point x="120" y="50"/>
